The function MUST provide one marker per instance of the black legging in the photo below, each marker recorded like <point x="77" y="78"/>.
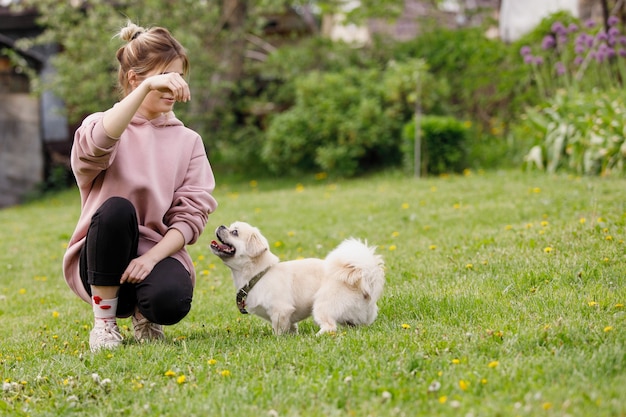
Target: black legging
<point x="164" y="297"/>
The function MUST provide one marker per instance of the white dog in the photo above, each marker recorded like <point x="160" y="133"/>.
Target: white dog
<point x="341" y="289"/>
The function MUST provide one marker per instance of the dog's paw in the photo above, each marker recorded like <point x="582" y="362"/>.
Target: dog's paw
<point x="327" y="329"/>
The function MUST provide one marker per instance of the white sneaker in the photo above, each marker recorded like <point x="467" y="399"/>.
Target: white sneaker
<point x="146" y="330"/>
<point x="104" y="335"/>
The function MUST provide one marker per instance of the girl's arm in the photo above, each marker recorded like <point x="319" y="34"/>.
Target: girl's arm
<point x="139" y="268"/>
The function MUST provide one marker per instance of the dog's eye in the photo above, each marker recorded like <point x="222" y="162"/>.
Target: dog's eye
<point x="235" y="233"/>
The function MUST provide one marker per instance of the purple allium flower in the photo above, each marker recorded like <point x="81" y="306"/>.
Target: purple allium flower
<point x="558" y="28"/>
<point x="602" y="36"/>
<point x="579" y="49"/>
<point x="581" y="39"/>
<point x="590" y="23"/>
<point x="622" y="53"/>
<point x="578" y="60"/>
<point x="622" y="40"/>
<point x="548" y="42"/>
<point x="613" y="20"/>
<point x="538" y="60"/>
<point x="525" y="50"/>
<point x="613" y="31"/>
<point x="600" y="56"/>
<point x="529" y="59"/>
<point x="560" y="68"/>
<point x="573" y="27"/>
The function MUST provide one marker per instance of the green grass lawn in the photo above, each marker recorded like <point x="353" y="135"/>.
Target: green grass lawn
<point x="505" y="297"/>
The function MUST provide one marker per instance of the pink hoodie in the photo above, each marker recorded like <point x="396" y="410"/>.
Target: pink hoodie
<point x="159" y="165"/>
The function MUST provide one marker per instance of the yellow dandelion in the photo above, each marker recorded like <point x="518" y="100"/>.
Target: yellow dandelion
<point x="225" y="373"/>
<point x="457" y="205"/>
<point x="582" y="220"/>
<point x="432" y="247"/>
<point x="443" y="399"/>
<point x="170" y="373"/>
<point x="211" y="361"/>
<point x="592" y="303"/>
<point x="508" y="227"/>
<point x="278" y="244"/>
<point x="493" y="364"/>
<point x="204" y="272"/>
<point x="299" y="188"/>
<point x="395" y="234"/>
<point x="608" y="329"/>
<point x="544" y="224"/>
<point x="547" y="249"/>
<point x="529" y="225"/>
<point x="392" y="247"/>
<point x="22" y="291"/>
<point x="257" y="210"/>
<point x="469" y="266"/>
<point x="406" y="326"/>
<point x="291" y="233"/>
<point x="456" y="361"/>
<point x="464" y="385"/>
<point x="547" y="406"/>
<point x="321" y="176"/>
<point x="433" y="188"/>
<point x="254" y="183"/>
<point x="405" y="206"/>
<point x="181" y="379"/>
<point x="605" y="259"/>
<point x="483" y="381"/>
<point x="609" y="237"/>
<point x="201" y="257"/>
<point x="467" y="172"/>
<point x="55" y="314"/>
<point x="536" y="190"/>
<point x="619" y="305"/>
<point x="600" y="220"/>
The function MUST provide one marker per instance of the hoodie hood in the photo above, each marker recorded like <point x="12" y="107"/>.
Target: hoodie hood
<point x="165" y="119"/>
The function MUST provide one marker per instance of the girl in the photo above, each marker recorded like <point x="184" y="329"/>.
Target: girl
<point x="145" y="185"/>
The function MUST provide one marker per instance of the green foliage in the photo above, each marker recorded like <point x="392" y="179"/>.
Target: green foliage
<point x="444" y="140"/>
<point x="482" y="73"/>
<point x="348" y="122"/>
<point x="87" y="69"/>
<point x="579" y="132"/>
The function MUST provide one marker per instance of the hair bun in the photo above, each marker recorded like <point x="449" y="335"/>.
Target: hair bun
<point x="131" y="31"/>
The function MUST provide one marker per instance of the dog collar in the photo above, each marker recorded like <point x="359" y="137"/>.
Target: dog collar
<point x="242" y="294"/>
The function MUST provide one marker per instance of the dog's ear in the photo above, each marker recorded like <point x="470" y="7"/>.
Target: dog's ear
<point x="256" y="245"/>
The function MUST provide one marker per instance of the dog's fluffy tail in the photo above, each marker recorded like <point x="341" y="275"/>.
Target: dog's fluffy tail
<point x="358" y="265"/>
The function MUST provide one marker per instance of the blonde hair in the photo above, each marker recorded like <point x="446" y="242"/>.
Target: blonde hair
<point x="145" y="51"/>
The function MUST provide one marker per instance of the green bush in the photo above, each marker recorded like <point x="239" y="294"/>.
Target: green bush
<point x="578" y="132"/>
<point x="485" y="77"/>
<point x="348" y="122"/>
<point x="443" y="145"/>
<point x="337" y="121"/>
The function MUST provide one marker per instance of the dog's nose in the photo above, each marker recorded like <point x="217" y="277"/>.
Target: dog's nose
<point x="219" y="228"/>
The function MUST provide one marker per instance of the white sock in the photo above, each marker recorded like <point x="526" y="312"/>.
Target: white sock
<point x="104" y="310"/>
